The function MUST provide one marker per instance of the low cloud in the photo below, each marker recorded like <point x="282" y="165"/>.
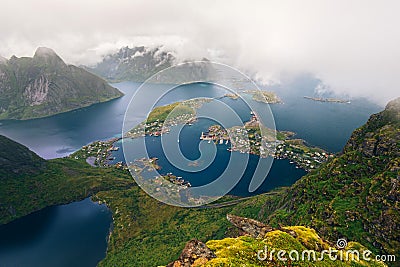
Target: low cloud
<point x="352" y="46"/>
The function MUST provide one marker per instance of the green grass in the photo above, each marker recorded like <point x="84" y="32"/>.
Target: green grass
<point x="62" y="181"/>
<point x="161" y="113"/>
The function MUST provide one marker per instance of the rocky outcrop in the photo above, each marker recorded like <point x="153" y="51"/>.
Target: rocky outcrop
<point x="195" y="253"/>
<point x="258" y="247"/>
<point x="380" y="136"/>
<point x="36" y="91"/>
<point x="254" y="228"/>
<point x="44" y="85"/>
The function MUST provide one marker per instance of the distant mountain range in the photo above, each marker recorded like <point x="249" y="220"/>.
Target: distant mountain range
<point x="137" y="64"/>
<point x="45" y="85"/>
<point x="133" y="64"/>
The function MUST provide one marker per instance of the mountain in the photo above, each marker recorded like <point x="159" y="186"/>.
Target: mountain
<point x="140" y="63"/>
<point x="355" y="195"/>
<point x="17" y="160"/>
<point x="133" y="64"/>
<point x="44" y="85"/>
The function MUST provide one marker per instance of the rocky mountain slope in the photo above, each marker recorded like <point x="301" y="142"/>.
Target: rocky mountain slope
<point x="140" y="63"/>
<point x="133" y="64"/>
<point x="44" y="85"/>
<point x="356" y="195"/>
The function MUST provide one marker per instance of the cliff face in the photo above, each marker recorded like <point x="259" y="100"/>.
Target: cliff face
<point x="357" y="194"/>
<point x="380" y="135"/>
<point x="44" y="85"/>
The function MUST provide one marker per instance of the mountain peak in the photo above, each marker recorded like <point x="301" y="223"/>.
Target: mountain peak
<point x="45" y="51"/>
<point x="48" y="55"/>
<point x="44" y="85"/>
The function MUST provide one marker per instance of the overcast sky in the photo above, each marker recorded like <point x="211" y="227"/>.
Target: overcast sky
<point x="352" y="46"/>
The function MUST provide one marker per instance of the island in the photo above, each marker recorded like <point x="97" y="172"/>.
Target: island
<point x="162" y="118"/>
<point x="255" y="138"/>
<point x="234" y="96"/>
<point x="267" y="97"/>
<point x="332" y="100"/>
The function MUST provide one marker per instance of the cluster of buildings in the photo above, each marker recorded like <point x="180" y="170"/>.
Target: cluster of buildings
<point x="160" y="127"/>
<point x="304" y="157"/>
<point x="97" y="153"/>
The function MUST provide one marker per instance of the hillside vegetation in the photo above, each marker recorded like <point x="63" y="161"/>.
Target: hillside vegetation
<point x="357" y="194"/>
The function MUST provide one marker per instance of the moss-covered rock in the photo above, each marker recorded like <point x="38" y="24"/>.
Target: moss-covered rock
<point x="249" y="251"/>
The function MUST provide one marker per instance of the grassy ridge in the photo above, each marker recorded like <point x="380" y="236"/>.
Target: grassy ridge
<point x="62" y="181"/>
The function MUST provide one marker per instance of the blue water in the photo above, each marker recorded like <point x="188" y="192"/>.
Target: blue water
<point x="323" y="124"/>
<point x="75" y="234"/>
<point x="64" y="235"/>
<point x="282" y="173"/>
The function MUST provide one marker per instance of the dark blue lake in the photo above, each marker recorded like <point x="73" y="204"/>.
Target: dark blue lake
<point x="64" y="235"/>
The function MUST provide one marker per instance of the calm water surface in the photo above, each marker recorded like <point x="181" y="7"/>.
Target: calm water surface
<point x="64" y="235"/>
<point x="75" y="234"/>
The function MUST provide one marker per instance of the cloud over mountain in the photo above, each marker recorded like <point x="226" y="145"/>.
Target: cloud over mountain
<point x="352" y="46"/>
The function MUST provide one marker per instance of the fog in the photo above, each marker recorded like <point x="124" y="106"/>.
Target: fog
<point x="351" y="46"/>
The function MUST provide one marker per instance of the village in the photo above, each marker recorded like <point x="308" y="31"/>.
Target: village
<point x="248" y="139"/>
<point x="98" y="154"/>
<point x="244" y="139"/>
<point x="160" y="127"/>
<point x="303" y="156"/>
<point x="150" y="164"/>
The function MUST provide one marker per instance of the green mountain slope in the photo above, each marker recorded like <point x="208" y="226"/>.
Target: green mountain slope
<point x="16" y="159"/>
<point x="29" y="183"/>
<point x="44" y="85"/>
<point x="357" y="194"/>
